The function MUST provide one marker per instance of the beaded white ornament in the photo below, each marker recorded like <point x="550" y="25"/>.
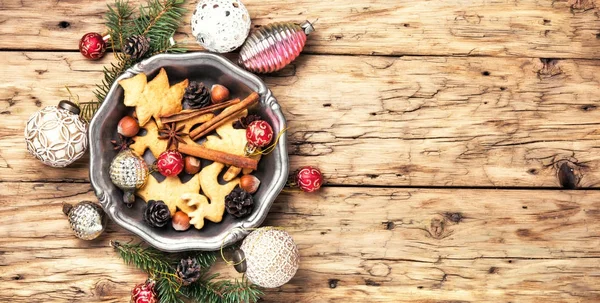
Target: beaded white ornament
<point x="220" y="25"/>
<point x="56" y="136"/>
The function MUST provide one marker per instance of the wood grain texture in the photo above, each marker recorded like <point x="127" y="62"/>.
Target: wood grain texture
<point x="409" y="121"/>
<point x="423" y="246"/>
<point x="529" y="28"/>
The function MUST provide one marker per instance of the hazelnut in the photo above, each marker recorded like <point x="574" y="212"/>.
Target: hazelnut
<point x="219" y="93"/>
<point x="192" y="165"/>
<point x="249" y="183"/>
<point x="128" y="127"/>
<point x="181" y="221"/>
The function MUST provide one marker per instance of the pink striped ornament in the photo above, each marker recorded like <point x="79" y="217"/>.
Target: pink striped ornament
<point x="274" y="46"/>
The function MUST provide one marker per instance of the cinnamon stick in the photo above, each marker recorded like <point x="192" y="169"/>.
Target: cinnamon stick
<point x="217" y="156"/>
<point x="225" y="115"/>
<point x="189" y="114"/>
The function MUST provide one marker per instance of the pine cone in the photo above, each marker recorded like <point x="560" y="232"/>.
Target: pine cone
<point x="136" y="46"/>
<point x="243" y="122"/>
<point x="189" y="271"/>
<point x="196" y="95"/>
<point x="157" y="213"/>
<point x="239" y="202"/>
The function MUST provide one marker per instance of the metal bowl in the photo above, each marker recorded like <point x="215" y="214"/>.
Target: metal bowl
<point x="210" y="69"/>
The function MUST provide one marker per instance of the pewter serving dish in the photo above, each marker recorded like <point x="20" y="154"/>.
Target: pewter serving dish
<point x="210" y="69"/>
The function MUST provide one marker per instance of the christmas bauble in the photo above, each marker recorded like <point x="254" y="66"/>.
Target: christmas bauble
<point x="87" y="219"/>
<point x="220" y="25"/>
<point x="274" y="46"/>
<point x="271" y="257"/>
<point x="170" y="163"/>
<point x="144" y="293"/>
<point x="57" y="135"/>
<point x="259" y="133"/>
<point x="128" y="171"/>
<point x="92" y="46"/>
<point x="309" y="179"/>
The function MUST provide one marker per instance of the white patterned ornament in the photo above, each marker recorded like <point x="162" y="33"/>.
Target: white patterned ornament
<point x="56" y="135"/>
<point x="220" y="25"/>
<point x="268" y="256"/>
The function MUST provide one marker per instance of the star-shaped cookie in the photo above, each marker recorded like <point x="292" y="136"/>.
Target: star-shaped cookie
<point x="155" y="98"/>
<point x="215" y="191"/>
<point x="151" y="141"/>
<point x="170" y="191"/>
<point x="232" y="141"/>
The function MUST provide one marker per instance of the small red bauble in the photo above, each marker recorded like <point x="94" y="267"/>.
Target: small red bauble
<point x="144" y="293"/>
<point x="92" y="46"/>
<point x="309" y="179"/>
<point x="170" y="163"/>
<point x="259" y="133"/>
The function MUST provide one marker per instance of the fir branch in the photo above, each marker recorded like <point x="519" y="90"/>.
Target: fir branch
<point x="166" y="293"/>
<point x="158" y="20"/>
<point x="223" y="291"/>
<point x="147" y="259"/>
<point x="161" y="267"/>
<point x="205" y="259"/>
<point x="117" y="22"/>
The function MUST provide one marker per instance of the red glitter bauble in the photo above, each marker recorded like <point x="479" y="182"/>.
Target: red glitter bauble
<point x="170" y="163"/>
<point x="144" y="293"/>
<point x="259" y="133"/>
<point x="309" y="179"/>
<point x="92" y="46"/>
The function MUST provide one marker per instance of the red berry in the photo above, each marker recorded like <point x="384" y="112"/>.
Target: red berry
<point x="170" y="163"/>
<point x="92" y="46"/>
<point x="259" y="133"/>
<point x="309" y="179"/>
<point x="144" y="293"/>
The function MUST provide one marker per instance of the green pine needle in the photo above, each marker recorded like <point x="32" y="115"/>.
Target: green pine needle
<point x="158" y="20"/>
<point x="162" y="268"/>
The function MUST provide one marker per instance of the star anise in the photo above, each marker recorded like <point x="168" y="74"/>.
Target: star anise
<point x="172" y="133"/>
<point x="122" y="143"/>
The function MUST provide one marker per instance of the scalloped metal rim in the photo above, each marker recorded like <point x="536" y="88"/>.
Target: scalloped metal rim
<point x="235" y="232"/>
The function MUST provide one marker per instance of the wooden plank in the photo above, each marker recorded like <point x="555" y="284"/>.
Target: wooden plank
<point x="417" y="121"/>
<point x="436" y="245"/>
<point x="553" y="29"/>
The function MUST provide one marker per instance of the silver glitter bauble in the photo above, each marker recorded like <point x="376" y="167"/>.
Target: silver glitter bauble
<point x="268" y="256"/>
<point x="87" y="219"/>
<point x="220" y="25"/>
<point x="57" y="136"/>
<point x="128" y="171"/>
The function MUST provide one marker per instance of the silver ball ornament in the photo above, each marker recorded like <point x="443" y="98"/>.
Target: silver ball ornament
<point x="56" y="135"/>
<point x="220" y="25"/>
<point x="128" y="171"/>
<point x="269" y="257"/>
<point x="87" y="219"/>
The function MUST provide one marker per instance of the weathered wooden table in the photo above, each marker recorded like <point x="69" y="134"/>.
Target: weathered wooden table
<point x="441" y="127"/>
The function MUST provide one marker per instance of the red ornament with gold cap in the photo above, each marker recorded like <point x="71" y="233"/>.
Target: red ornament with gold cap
<point x="92" y="46"/>
<point x="259" y="134"/>
<point x="170" y="163"/>
<point x="144" y="293"/>
<point x="309" y="179"/>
